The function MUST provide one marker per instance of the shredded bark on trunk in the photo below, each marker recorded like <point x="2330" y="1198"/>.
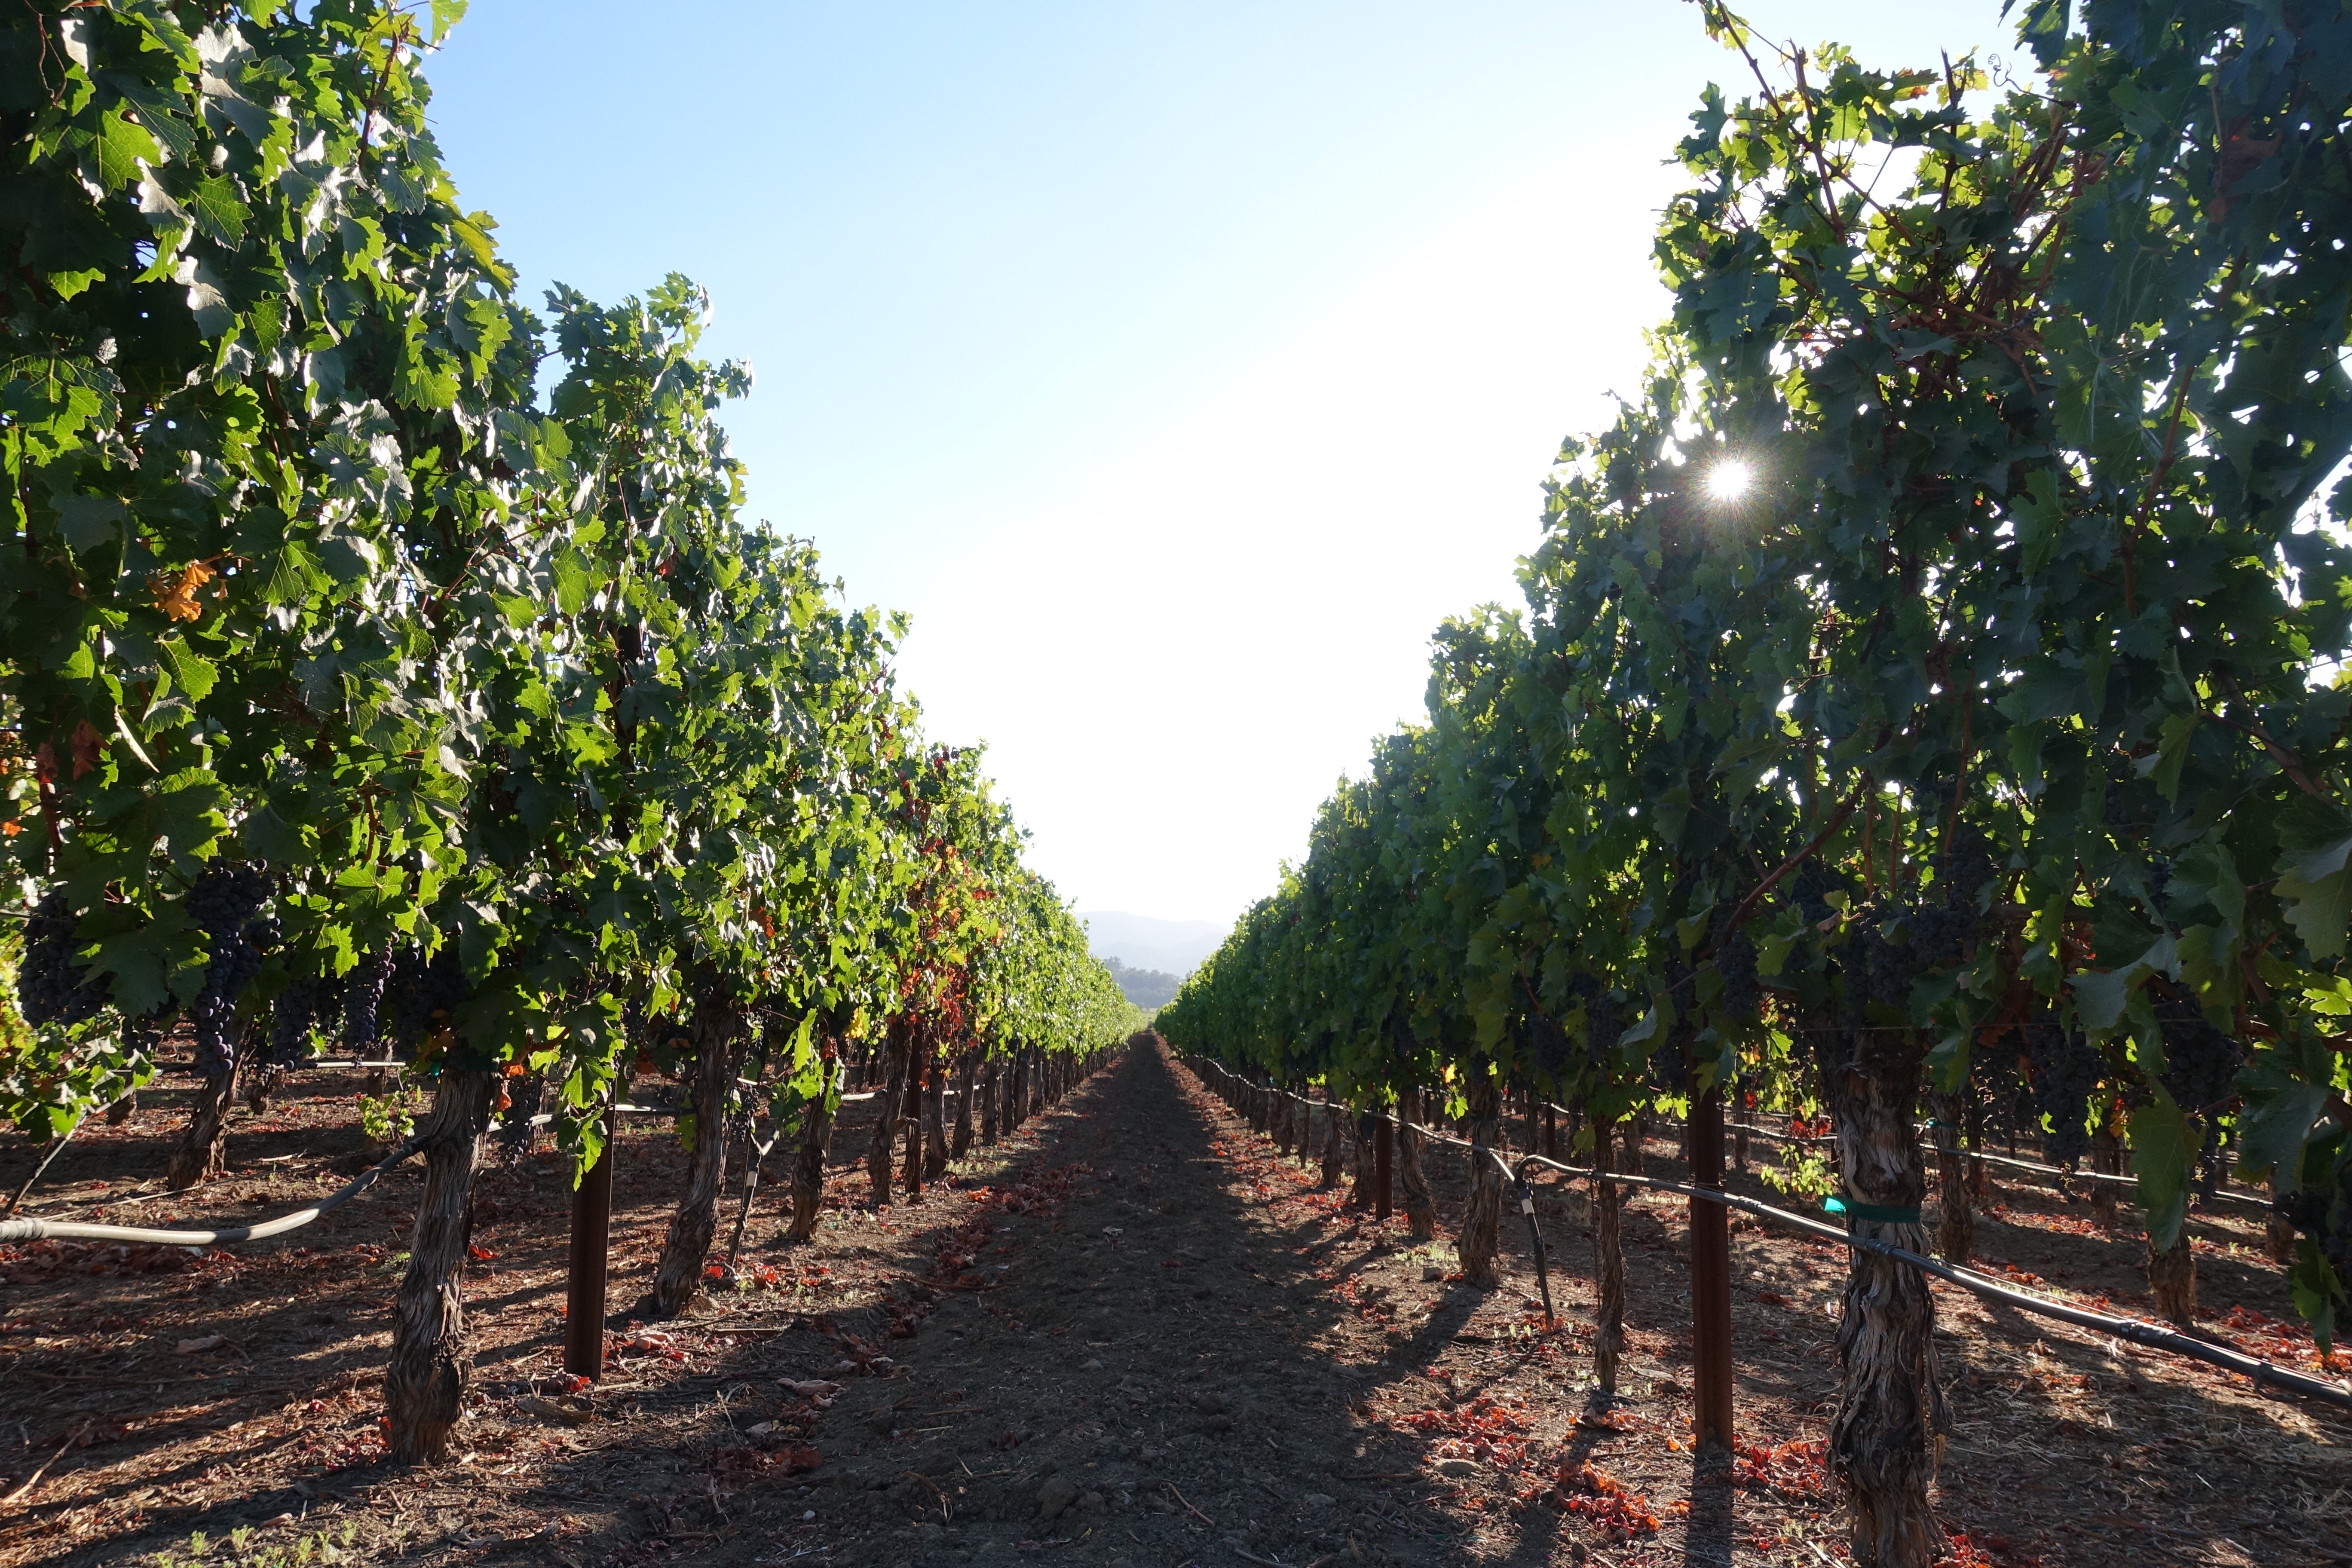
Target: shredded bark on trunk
<point x="918" y="1075"/>
<point x="1608" y="1261"/>
<point x="2172" y="1275"/>
<point x="1335" y="1144"/>
<point x="1482" y="1216"/>
<point x="967" y="1075"/>
<point x="197" y="1156"/>
<point x="1419" y="1205"/>
<point x="935" y="1121"/>
<point x="808" y="1164"/>
<point x="885" y="1141"/>
<point x="719" y="1040"/>
<point x="1359" y="1196"/>
<point x="2107" y="1158"/>
<point x="424" y="1386"/>
<point x="1888" y="1431"/>
<point x="2278" y="1232"/>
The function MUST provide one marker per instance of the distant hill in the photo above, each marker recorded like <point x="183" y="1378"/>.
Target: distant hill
<point x="1175" y="947"/>
<point x="1144" y="987"/>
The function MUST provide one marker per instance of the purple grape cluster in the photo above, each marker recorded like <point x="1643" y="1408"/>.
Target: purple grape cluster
<point x="2066" y="1071"/>
<point x="1603" y="1020"/>
<point x="225" y="899"/>
<point x="2200" y="1060"/>
<point x="1549" y="1045"/>
<point x="51" y="988"/>
<point x="1735" y="960"/>
<point x="297" y="1011"/>
<point x="1815" y="883"/>
<point x="363" y="1000"/>
<point x="423" y="990"/>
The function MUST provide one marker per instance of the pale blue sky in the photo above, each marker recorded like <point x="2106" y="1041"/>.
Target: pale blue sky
<point x="1178" y="367"/>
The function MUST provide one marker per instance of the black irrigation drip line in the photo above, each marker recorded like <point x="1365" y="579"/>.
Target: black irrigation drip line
<point x="2150" y="1336"/>
<point x="18" y="1230"/>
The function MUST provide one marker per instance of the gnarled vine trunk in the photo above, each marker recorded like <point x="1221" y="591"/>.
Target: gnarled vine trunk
<point x="424" y="1386"/>
<point x="1482" y="1216"/>
<point x="1608" y="1259"/>
<point x="1335" y="1144"/>
<point x="919" y="1072"/>
<point x="717" y="1031"/>
<point x="197" y="1155"/>
<point x="1419" y="1205"/>
<point x="934" y="1120"/>
<point x="967" y="1075"/>
<point x="992" y="1095"/>
<point x="2172" y="1277"/>
<point x="1359" y="1195"/>
<point x="808" y="1161"/>
<point x="1888" y="1431"/>
<point x="2106" y="1159"/>
<point x="895" y="1043"/>
<point x="2278" y="1232"/>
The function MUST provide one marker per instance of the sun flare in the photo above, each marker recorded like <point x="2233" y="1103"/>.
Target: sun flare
<point x="1730" y="479"/>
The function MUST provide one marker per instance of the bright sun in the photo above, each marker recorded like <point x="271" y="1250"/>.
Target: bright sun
<point x="1730" y="479"/>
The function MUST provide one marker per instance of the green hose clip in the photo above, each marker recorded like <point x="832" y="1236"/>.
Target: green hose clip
<point x="1877" y="1214"/>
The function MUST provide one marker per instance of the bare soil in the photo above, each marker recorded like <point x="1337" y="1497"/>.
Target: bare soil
<point x="1130" y="1335"/>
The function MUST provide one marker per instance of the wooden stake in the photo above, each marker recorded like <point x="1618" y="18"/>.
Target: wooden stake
<point x="592" y="1236"/>
<point x="1710" y="1277"/>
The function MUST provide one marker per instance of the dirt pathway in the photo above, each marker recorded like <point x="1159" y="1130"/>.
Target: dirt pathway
<point x="1130" y="1335"/>
<point x="1145" y="1381"/>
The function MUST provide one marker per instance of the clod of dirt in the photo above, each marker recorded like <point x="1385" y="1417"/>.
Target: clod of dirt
<point x="1219" y="1422"/>
<point x="1209" y="1402"/>
<point x="1433" y="1273"/>
<point x="1091" y="1503"/>
<point x="1457" y="1468"/>
<point x="1317" y="1499"/>
<point x="882" y="1426"/>
<point x="1055" y="1496"/>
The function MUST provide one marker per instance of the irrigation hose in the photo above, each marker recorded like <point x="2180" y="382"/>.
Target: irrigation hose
<point x="2151" y="1336"/>
<point x="17" y="1230"/>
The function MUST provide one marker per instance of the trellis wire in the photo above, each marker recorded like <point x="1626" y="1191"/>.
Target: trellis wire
<point x="2150" y="1336"/>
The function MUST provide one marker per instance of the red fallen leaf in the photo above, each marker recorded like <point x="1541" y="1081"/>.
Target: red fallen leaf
<point x="1171" y="1263"/>
<point x="481" y="1254"/>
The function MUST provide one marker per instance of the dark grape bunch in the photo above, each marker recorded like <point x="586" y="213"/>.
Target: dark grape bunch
<point x="2200" y="1060"/>
<point x="1548" y="1043"/>
<point x="1969" y="869"/>
<point x="302" y="1004"/>
<point x="51" y="988"/>
<point x="2066" y="1071"/>
<point x="1735" y="960"/>
<point x="363" y="1000"/>
<point x="423" y="992"/>
<point x="1669" y="1070"/>
<point x="225" y="899"/>
<point x="1815" y="883"/>
<point x="2325" y="1215"/>
<point x="1604" y="1022"/>
<point x="1938" y="932"/>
